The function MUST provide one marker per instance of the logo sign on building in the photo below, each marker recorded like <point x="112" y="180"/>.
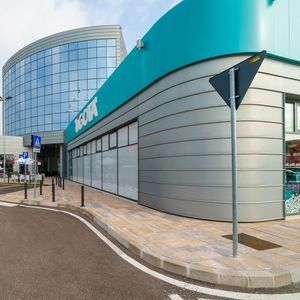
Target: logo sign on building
<point x="36" y="143"/>
<point x="245" y="72"/>
<point x="87" y="116"/>
<point x="25" y="155"/>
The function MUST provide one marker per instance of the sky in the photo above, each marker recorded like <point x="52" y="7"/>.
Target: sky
<point x="23" y="22"/>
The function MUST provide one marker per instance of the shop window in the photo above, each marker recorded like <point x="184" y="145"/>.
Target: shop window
<point x="123" y="136"/>
<point x="292" y="178"/>
<point x="289" y="117"/>
<point x="99" y="145"/>
<point x="105" y="144"/>
<point x="113" y="140"/>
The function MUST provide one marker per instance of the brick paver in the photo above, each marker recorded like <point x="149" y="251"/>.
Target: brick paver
<point x="193" y="248"/>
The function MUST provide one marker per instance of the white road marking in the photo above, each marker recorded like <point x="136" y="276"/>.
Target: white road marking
<point x="8" y="204"/>
<point x="175" y="297"/>
<point x="175" y="282"/>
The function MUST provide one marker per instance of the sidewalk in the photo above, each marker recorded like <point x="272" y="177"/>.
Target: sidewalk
<point x="192" y="248"/>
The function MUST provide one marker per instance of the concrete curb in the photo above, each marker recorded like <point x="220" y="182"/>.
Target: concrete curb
<point x="273" y="278"/>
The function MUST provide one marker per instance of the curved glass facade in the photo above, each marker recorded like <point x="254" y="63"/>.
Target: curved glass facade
<point x="48" y="88"/>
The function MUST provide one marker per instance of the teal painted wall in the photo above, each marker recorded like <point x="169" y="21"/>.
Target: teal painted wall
<point x="197" y="30"/>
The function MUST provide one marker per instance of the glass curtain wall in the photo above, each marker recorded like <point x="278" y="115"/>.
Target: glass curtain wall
<point x="48" y="88"/>
<point x="110" y="162"/>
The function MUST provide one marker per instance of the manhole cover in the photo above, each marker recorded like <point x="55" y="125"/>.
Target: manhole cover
<point x="253" y="242"/>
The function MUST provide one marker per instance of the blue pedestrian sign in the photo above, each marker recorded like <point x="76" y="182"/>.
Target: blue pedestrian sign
<point x="36" y="143"/>
<point x="25" y="155"/>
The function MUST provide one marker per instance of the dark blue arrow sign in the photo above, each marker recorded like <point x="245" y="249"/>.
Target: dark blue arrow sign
<point x="244" y="75"/>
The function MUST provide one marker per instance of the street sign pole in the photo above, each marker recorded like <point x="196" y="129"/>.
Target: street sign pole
<point x="34" y="194"/>
<point x="233" y="161"/>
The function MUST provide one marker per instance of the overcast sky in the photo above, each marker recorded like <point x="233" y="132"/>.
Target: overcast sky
<point x="25" y="21"/>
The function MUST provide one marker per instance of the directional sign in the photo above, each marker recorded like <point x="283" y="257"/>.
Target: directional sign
<point x="25" y="155"/>
<point x="244" y="75"/>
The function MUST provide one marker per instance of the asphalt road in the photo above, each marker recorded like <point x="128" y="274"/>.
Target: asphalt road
<point x="50" y="255"/>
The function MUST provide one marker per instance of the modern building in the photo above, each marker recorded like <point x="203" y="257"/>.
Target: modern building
<point x="50" y="80"/>
<point x="158" y="133"/>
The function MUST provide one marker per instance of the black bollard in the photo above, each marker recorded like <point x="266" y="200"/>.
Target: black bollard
<point x="53" y="191"/>
<point x="56" y="180"/>
<point x="8" y="178"/>
<point x="63" y="183"/>
<point x="82" y="196"/>
<point x="25" y="190"/>
<point x="18" y="178"/>
<point x="41" y="187"/>
<point x="59" y="181"/>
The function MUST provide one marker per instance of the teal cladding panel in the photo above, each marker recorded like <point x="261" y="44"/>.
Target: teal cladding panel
<point x="197" y="30"/>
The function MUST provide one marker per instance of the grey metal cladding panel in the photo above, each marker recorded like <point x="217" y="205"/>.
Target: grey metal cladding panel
<point x="212" y="178"/>
<point x="244" y="128"/>
<point x="124" y="114"/>
<point x="213" y="147"/>
<point x="263" y="97"/>
<point x="79" y="34"/>
<point x="211" y="194"/>
<point x="162" y="105"/>
<point x="209" y="131"/>
<point x="185" y="89"/>
<point x="222" y="212"/>
<point x="218" y="162"/>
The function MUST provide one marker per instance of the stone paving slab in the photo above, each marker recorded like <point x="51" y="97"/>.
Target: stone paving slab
<point x="185" y="246"/>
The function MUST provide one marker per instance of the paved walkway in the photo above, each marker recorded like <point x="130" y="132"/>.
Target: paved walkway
<point x="193" y="248"/>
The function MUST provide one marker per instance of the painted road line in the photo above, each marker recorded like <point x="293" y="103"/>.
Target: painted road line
<point x="175" y="297"/>
<point x="8" y="204"/>
<point x="170" y="280"/>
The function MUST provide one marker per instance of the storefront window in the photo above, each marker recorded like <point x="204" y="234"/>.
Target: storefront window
<point x="289" y="117"/>
<point x="292" y="178"/>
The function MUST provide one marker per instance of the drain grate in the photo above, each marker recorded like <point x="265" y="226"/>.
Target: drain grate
<point x="253" y="242"/>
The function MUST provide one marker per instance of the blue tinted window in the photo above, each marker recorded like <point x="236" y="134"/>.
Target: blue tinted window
<point x="64" y="67"/>
<point x="111" y="62"/>
<point x="48" y="70"/>
<point x="73" y="55"/>
<point x="73" y="46"/>
<point x="48" y="52"/>
<point x="82" y="85"/>
<point x="55" y="68"/>
<point x="92" y="43"/>
<point x="55" y="78"/>
<point x="64" y="56"/>
<point x="48" y="118"/>
<point x="82" y="44"/>
<point x="64" y="87"/>
<point x="92" y="73"/>
<point x="64" y="76"/>
<point x="110" y="71"/>
<point x="102" y="73"/>
<point x="48" y="100"/>
<point x="55" y="50"/>
<point x="82" y="64"/>
<point x="64" y="108"/>
<point x="48" y="89"/>
<point x="101" y="43"/>
<point x="101" y="52"/>
<point x="55" y="108"/>
<point x="92" y="84"/>
<point x="48" y="127"/>
<point x="73" y="75"/>
<point x="92" y="63"/>
<point x="56" y="118"/>
<point x="64" y="97"/>
<point x="73" y="85"/>
<point x="92" y="52"/>
<point x="55" y="59"/>
<point x="48" y="60"/>
<point x="111" y="51"/>
<point x="64" y="48"/>
<point x="48" y="80"/>
<point x="41" y="63"/>
<point x="82" y="54"/>
<point x="73" y="65"/>
<point x="82" y="74"/>
<point x="111" y="42"/>
<point x="56" y="88"/>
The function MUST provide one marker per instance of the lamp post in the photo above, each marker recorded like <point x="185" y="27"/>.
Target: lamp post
<point x="3" y="99"/>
